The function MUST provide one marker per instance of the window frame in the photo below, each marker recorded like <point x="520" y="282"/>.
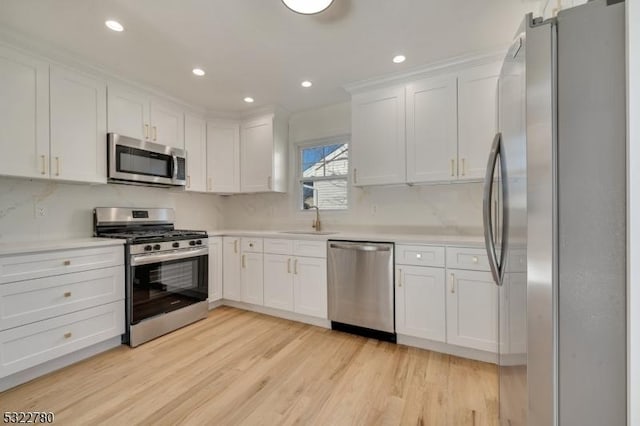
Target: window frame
<point x="299" y="179"/>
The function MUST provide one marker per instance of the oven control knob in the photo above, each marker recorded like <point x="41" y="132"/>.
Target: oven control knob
<point x="156" y="247"/>
<point x="192" y="243"/>
<point x="148" y="248"/>
<point x="199" y="242"/>
<point x="176" y="244"/>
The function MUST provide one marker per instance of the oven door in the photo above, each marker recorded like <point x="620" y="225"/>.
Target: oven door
<point x="145" y="162"/>
<point x="164" y="282"/>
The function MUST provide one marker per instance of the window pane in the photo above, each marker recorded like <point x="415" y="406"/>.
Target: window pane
<point x="337" y="160"/>
<point x="313" y="161"/>
<point x="326" y="194"/>
<point x="325" y="160"/>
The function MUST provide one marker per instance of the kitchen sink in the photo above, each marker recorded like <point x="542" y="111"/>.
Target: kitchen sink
<point x="308" y="232"/>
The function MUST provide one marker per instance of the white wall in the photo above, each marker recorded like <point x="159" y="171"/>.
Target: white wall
<point x="633" y="120"/>
<point x="68" y="207"/>
<point x="450" y="209"/>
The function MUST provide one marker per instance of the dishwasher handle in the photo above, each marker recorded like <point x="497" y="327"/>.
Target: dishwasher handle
<point x="360" y="247"/>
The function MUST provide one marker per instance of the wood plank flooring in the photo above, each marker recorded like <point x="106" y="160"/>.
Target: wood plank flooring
<point x="238" y="367"/>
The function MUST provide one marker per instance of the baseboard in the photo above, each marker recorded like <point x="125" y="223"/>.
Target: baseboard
<point x="215" y="304"/>
<point x="58" y="363"/>
<point x="320" y="322"/>
<point x="445" y="348"/>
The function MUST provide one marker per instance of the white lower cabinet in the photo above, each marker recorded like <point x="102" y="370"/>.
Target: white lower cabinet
<point x="420" y="302"/>
<point x="251" y="278"/>
<point x="231" y="268"/>
<point x="310" y="286"/>
<point x="472" y="310"/>
<point x="215" y="269"/>
<point x="278" y="282"/>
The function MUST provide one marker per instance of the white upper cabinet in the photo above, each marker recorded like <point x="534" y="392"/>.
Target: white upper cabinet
<point x="263" y="154"/>
<point x="223" y="156"/>
<point x="78" y="127"/>
<point x="195" y="142"/>
<point x="137" y="115"/>
<point x="477" y="118"/>
<point x="128" y="113"/>
<point x="24" y="115"/>
<point x="378" y="137"/>
<point x="167" y="124"/>
<point x="431" y="130"/>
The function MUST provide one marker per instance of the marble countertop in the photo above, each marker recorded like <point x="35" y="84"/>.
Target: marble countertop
<point x="11" y="248"/>
<point x="465" y="240"/>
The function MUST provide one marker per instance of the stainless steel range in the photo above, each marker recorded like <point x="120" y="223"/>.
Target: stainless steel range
<point x="166" y="270"/>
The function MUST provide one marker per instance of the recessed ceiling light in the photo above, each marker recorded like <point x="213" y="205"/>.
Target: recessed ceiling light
<point x="198" y="71"/>
<point x="398" y="59"/>
<point x="248" y="99"/>
<point x="306" y="83"/>
<point x="114" y="25"/>
<point x="307" y="7"/>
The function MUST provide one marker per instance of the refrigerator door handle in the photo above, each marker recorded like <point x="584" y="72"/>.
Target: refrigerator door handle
<point x="489" y="240"/>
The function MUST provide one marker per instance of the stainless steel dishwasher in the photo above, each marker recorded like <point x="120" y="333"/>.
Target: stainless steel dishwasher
<point x="360" y="276"/>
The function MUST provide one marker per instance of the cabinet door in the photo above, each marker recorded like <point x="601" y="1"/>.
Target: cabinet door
<point x="78" y="127"/>
<point x="420" y="302"/>
<point x="223" y="156"/>
<point x="432" y="150"/>
<point x="472" y="310"/>
<point x="231" y="268"/>
<point x="251" y="278"/>
<point x="167" y="124"/>
<point x="256" y="154"/>
<point x="128" y="113"/>
<point x="24" y="115"/>
<point x="378" y="137"/>
<point x="278" y="282"/>
<point x="477" y="118"/>
<point x="195" y="142"/>
<point x="215" y="269"/>
<point x="310" y="286"/>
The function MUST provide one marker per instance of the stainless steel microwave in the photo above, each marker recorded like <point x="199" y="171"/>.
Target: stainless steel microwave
<point x="145" y="163"/>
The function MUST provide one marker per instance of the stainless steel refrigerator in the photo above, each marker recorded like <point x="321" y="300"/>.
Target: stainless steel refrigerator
<point x="557" y="172"/>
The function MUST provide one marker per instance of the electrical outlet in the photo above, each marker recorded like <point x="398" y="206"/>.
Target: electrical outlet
<point x="41" y="211"/>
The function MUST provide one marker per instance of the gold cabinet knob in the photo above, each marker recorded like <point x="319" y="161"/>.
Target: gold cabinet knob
<point x="66" y="263"/>
<point x="67" y="335"/>
<point x="67" y="294"/>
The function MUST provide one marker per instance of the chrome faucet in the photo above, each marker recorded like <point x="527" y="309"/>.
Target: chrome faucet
<point x="316" y="223"/>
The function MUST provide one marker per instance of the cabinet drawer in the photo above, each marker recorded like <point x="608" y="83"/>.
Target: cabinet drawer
<point x="252" y="245"/>
<point x="420" y="255"/>
<point x="310" y="248"/>
<point x="474" y="259"/>
<point x="25" y="302"/>
<point x="33" y="344"/>
<point x="36" y="265"/>
<point x="278" y="246"/>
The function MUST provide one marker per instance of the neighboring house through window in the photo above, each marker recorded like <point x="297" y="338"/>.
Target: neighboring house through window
<point x="323" y="175"/>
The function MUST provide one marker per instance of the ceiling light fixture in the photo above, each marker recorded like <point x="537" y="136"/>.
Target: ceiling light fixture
<point x="307" y="7"/>
<point x="398" y="59"/>
<point x="198" y="71"/>
<point x="248" y="100"/>
<point x="306" y="83"/>
<point x="114" y="25"/>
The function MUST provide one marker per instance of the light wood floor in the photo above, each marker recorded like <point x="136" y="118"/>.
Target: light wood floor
<point x="240" y="367"/>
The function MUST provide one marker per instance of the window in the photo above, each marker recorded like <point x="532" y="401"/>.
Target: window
<point x="323" y="175"/>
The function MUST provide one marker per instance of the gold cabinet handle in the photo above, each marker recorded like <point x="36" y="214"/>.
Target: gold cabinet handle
<point x="44" y="167"/>
<point x="295" y="267"/>
<point x="452" y="281"/>
<point x="269" y="182"/>
<point x="209" y="184"/>
<point x="288" y="265"/>
<point x="453" y="167"/>
<point x="66" y="263"/>
<point x="188" y="181"/>
<point x="155" y="133"/>
<point x="235" y="246"/>
<point x="464" y="167"/>
<point x="146" y="131"/>
<point x="67" y="335"/>
<point x="355" y="175"/>
<point x="67" y="294"/>
<point x="243" y="261"/>
<point x="399" y="277"/>
<point x="57" y="166"/>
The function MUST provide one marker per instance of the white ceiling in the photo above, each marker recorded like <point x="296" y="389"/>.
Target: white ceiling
<point x="261" y="49"/>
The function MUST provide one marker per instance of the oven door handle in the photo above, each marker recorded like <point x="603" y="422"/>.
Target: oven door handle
<point x="145" y="259"/>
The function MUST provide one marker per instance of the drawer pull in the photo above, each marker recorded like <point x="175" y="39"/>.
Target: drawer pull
<point x="475" y="259"/>
<point x="67" y="335"/>
<point x="66" y="263"/>
<point x="453" y="283"/>
<point x="67" y="294"/>
<point x="244" y="265"/>
<point x="235" y="246"/>
<point x="295" y="266"/>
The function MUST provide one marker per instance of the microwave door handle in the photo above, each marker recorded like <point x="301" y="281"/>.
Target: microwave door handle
<point x="175" y="167"/>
